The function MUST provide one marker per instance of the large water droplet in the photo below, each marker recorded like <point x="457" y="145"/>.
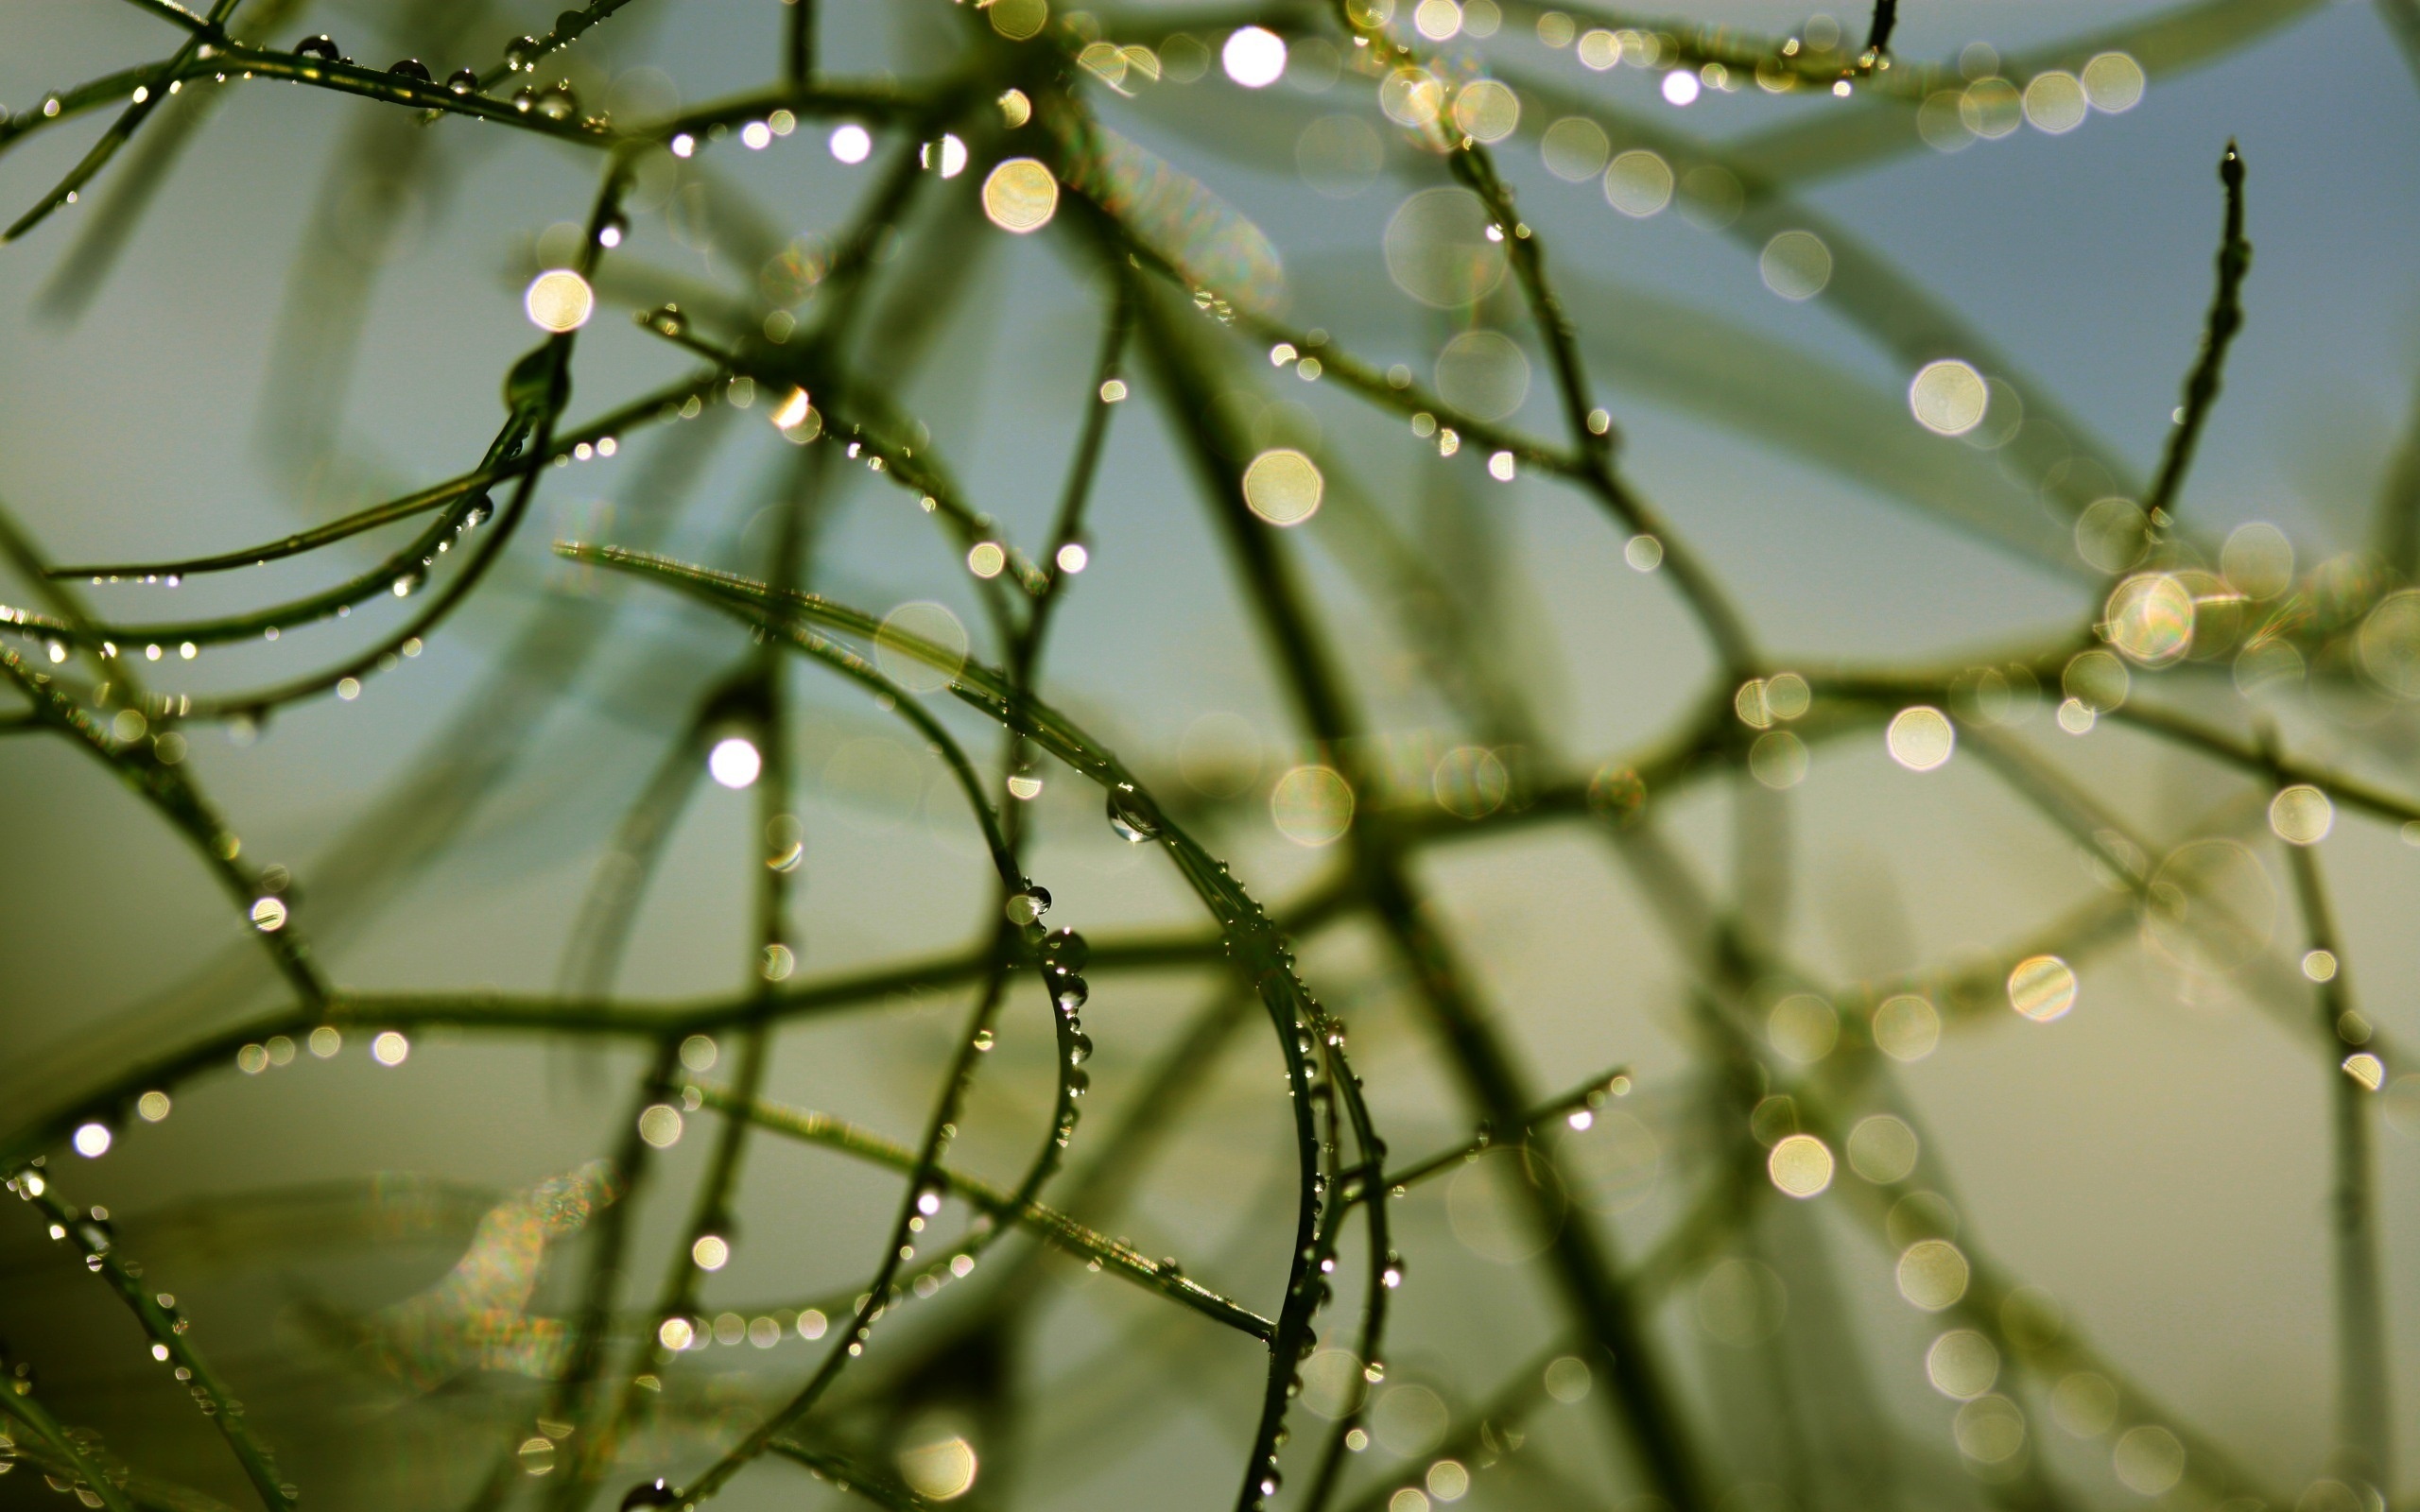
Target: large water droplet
<point x="413" y="69"/>
<point x="321" y="45"/>
<point x="523" y="52"/>
<point x="1132" y="815"/>
<point x="462" y="80"/>
<point x="560" y="103"/>
<point x="649" y="1493"/>
<point x="1067" y="949"/>
<point x="1072" y="993"/>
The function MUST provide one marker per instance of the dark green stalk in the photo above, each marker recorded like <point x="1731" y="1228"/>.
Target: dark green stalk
<point x="2225" y="320"/>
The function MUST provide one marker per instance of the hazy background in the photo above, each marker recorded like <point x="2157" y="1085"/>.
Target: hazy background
<point x="2157" y="1159"/>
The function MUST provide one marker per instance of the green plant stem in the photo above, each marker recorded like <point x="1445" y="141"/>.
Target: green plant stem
<point x="2225" y="320"/>
<point x="170" y="1338"/>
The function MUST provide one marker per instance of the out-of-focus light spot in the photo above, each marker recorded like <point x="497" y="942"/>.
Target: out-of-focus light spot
<point x="2149" y="618"/>
<point x="1962" y="1364"/>
<point x="2363" y="1067"/>
<point x="756" y="136"/>
<point x="1568" y="1379"/>
<point x="1253" y="57"/>
<point x="711" y="1252"/>
<point x="269" y="914"/>
<point x="1948" y="397"/>
<point x="921" y="646"/>
<point x="1283" y="487"/>
<point x="1680" y="86"/>
<point x="2149" y="1460"/>
<point x="1574" y="149"/>
<point x="1991" y="108"/>
<point x="659" y="1126"/>
<point x="948" y="155"/>
<point x="1804" y="1028"/>
<point x="152" y="1106"/>
<point x="1073" y="558"/>
<point x="940" y="1471"/>
<point x="2301" y="815"/>
<point x="1989" y="1430"/>
<point x="1778" y="760"/>
<point x="2113" y="82"/>
<point x="1932" y="1274"/>
<point x="851" y="143"/>
<point x="558" y="300"/>
<point x="699" y="1052"/>
<point x="1437" y="19"/>
<point x="2085" y="1403"/>
<point x="1487" y="110"/>
<point x="776" y="962"/>
<point x="1018" y="19"/>
<point x="734" y="762"/>
<point x="2042" y="987"/>
<point x="2320" y="966"/>
<point x="1882" y="1150"/>
<point x="1312" y="806"/>
<point x="389" y="1048"/>
<point x="1907" y="1027"/>
<point x="1015" y="109"/>
<point x="93" y="1140"/>
<point x="1921" y="738"/>
<point x="1447" y="1481"/>
<point x="1021" y="195"/>
<point x="1410" y="1498"/>
<point x="1795" y="264"/>
<point x="676" y="1334"/>
<point x="1638" y="184"/>
<point x="1501" y="465"/>
<point x="1800" y="1165"/>
<point x="1439" y="248"/>
<point x="811" y="1324"/>
<point x="2258" y="560"/>
<point x="1644" y="554"/>
<point x="2054" y="102"/>
<point x="1112" y="391"/>
<point x="986" y="560"/>
<point x="683" y="144"/>
<point x="1600" y="50"/>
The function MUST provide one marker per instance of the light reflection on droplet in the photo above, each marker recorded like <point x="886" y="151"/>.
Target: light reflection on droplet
<point x="1021" y="195"/>
<point x="2042" y="987"/>
<point x="1921" y="738"/>
<point x="1801" y="1165"/>
<point x="1948" y="397"/>
<point x="1283" y="487"/>
<point x="558" y="300"/>
<point x="2301" y="815"/>
<point x="1312" y="806"/>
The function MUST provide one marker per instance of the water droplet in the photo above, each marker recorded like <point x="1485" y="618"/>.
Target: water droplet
<point x="462" y="80"/>
<point x="482" y="510"/>
<point x="1067" y="949"/>
<point x="560" y="103"/>
<point x="1080" y="1049"/>
<point x="1073" y="994"/>
<point x="1132" y="815"/>
<point x="983" y="1039"/>
<point x="413" y="69"/>
<point x="321" y="45"/>
<point x="1079" y="1084"/>
<point x="523" y="99"/>
<point x="523" y="52"/>
<point x="649" y="1493"/>
<point x="405" y="584"/>
<point x="1029" y="905"/>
